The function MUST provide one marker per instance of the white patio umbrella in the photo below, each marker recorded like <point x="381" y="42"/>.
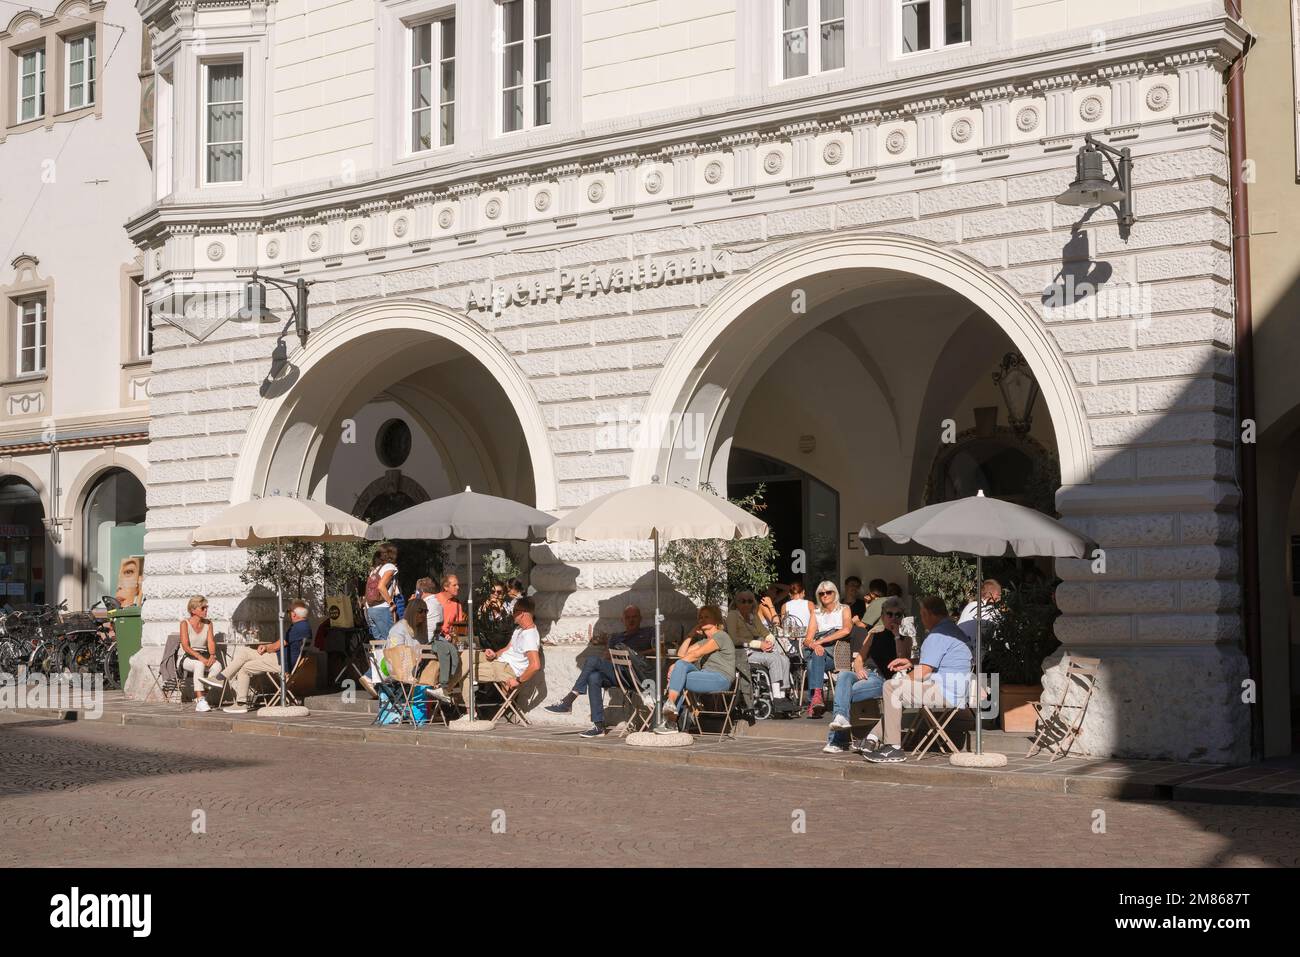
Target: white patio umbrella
<point x="466" y="515"/>
<point x="977" y="526"/>
<point x="662" y="514"/>
<point x="262" y="521"/>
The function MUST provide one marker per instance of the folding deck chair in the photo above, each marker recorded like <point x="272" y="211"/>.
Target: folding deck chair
<point x="640" y="715"/>
<point x="692" y="703"/>
<point x="1057" y="734"/>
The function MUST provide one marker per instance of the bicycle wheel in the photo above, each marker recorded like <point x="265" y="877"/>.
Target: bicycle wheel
<point x="112" y="679"/>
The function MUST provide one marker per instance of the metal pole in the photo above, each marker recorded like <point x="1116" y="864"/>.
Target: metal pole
<point x="279" y="622"/>
<point x="979" y="667"/>
<point x="659" y="648"/>
<point x="469" y="602"/>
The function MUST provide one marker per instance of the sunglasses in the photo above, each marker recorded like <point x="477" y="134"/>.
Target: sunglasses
<point x="892" y="614"/>
<point x="745" y="601"/>
<point x="823" y="594"/>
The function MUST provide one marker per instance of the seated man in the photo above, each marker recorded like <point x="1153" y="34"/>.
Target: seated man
<point x="706" y="663"/>
<point x="990" y="598"/>
<point x="598" y="673"/>
<point x="247" y="660"/>
<point x="942" y="679"/>
<point x="514" y="664"/>
<point x="445" y="671"/>
<point x="872" y="651"/>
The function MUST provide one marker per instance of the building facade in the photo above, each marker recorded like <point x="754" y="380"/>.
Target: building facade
<point x="1272" y="98"/>
<point x="574" y="244"/>
<point x="74" y="393"/>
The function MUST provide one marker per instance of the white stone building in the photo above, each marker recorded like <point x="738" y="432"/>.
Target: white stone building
<point x="75" y="348"/>
<point x="580" y="243"/>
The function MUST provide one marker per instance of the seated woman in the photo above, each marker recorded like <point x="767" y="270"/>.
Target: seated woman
<point x="830" y="623"/>
<point x="749" y="631"/>
<point x="493" y="621"/>
<point x="872" y="654"/>
<point x="199" y="651"/>
<point x="413" y="632"/>
<point x="706" y="663"/>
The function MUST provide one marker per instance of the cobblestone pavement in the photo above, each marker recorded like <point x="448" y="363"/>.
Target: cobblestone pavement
<point x="75" y="794"/>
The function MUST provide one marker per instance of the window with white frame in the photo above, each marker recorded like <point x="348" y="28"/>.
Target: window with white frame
<point x="524" y="32"/>
<point x="31" y="336"/>
<point x="932" y="24"/>
<point x="223" y="123"/>
<point x="433" y="84"/>
<point x="812" y="37"/>
<point x="31" y="84"/>
<point x="142" y="319"/>
<point x="80" y="70"/>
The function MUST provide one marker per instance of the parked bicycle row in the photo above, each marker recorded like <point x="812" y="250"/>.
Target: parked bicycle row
<point x="49" y="640"/>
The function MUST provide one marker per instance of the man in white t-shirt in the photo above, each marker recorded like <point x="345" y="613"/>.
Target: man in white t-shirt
<point x="990" y="598"/>
<point x="517" y="661"/>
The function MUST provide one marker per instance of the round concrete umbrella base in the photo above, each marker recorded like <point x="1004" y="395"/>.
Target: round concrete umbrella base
<point x="283" y="711"/>
<point x="471" y="724"/>
<point x="989" y="759"/>
<point x="648" y="739"/>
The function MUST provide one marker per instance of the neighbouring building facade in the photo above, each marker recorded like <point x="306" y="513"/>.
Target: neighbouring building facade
<point x="1272" y="94"/>
<point x="558" y="246"/>
<point x="75" y="347"/>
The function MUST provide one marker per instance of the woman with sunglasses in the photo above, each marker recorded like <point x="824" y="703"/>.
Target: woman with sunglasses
<point x="830" y="623"/>
<point x="199" y="647"/>
<point x="872" y="654"/>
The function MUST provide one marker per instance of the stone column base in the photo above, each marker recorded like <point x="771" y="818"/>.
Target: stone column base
<point x="1176" y="704"/>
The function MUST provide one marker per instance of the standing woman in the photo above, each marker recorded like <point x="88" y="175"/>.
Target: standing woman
<point x="830" y="623"/>
<point x="381" y="592"/>
<point x="199" y="648"/>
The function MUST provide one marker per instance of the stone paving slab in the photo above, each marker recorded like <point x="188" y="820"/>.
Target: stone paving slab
<point x="1097" y="777"/>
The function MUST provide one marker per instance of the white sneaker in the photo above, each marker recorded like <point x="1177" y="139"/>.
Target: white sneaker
<point x="834" y="749"/>
<point x="212" y="682"/>
<point x="202" y="705"/>
<point x="438" y="694"/>
<point x="235" y="709"/>
<point x="841" y="722"/>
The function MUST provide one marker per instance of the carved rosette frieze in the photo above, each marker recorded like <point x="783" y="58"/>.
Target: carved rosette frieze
<point x="466" y="215"/>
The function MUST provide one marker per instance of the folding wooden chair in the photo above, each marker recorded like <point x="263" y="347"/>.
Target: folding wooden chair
<point x="640" y="715"/>
<point x="508" y="706"/>
<point x="691" y="702"/>
<point x="167" y="689"/>
<point x="1058" y="734"/>
<point x="403" y="665"/>
<point x="937" y="732"/>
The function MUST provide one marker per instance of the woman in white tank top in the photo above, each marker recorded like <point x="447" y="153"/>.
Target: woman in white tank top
<point x="830" y="623"/>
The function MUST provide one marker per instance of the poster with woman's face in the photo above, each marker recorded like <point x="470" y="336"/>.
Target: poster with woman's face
<point x="130" y="575"/>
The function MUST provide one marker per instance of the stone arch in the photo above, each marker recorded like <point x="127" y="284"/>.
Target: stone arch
<point x="283" y="437"/>
<point x="839" y="263"/>
<point x="87" y="477"/>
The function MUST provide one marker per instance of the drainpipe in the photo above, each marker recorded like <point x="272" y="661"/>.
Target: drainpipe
<point x="1245" y="375"/>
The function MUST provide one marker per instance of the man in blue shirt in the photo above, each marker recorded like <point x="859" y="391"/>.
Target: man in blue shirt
<point x="941" y="679"/>
<point x="598" y="672"/>
<point x="298" y="632"/>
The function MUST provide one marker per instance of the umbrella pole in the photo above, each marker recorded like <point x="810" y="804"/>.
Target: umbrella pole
<point x="659" y="648"/>
<point x="979" y="665"/>
<point x="279" y="621"/>
<point x="469" y="602"/>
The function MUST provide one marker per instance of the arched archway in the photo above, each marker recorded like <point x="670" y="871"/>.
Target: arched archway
<point x="424" y="349"/>
<point x="752" y="323"/>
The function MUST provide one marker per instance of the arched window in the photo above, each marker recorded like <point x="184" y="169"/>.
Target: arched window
<point x="114" y="529"/>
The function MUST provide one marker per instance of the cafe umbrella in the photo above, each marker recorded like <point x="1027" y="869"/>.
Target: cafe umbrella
<point x="271" y="520"/>
<point x="660" y="514"/>
<point x="468" y="516"/>
<point x="979" y="526"/>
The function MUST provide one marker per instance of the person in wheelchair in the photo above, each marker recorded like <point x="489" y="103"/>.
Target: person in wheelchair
<point x="749" y="631"/>
<point x="872" y="651"/>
